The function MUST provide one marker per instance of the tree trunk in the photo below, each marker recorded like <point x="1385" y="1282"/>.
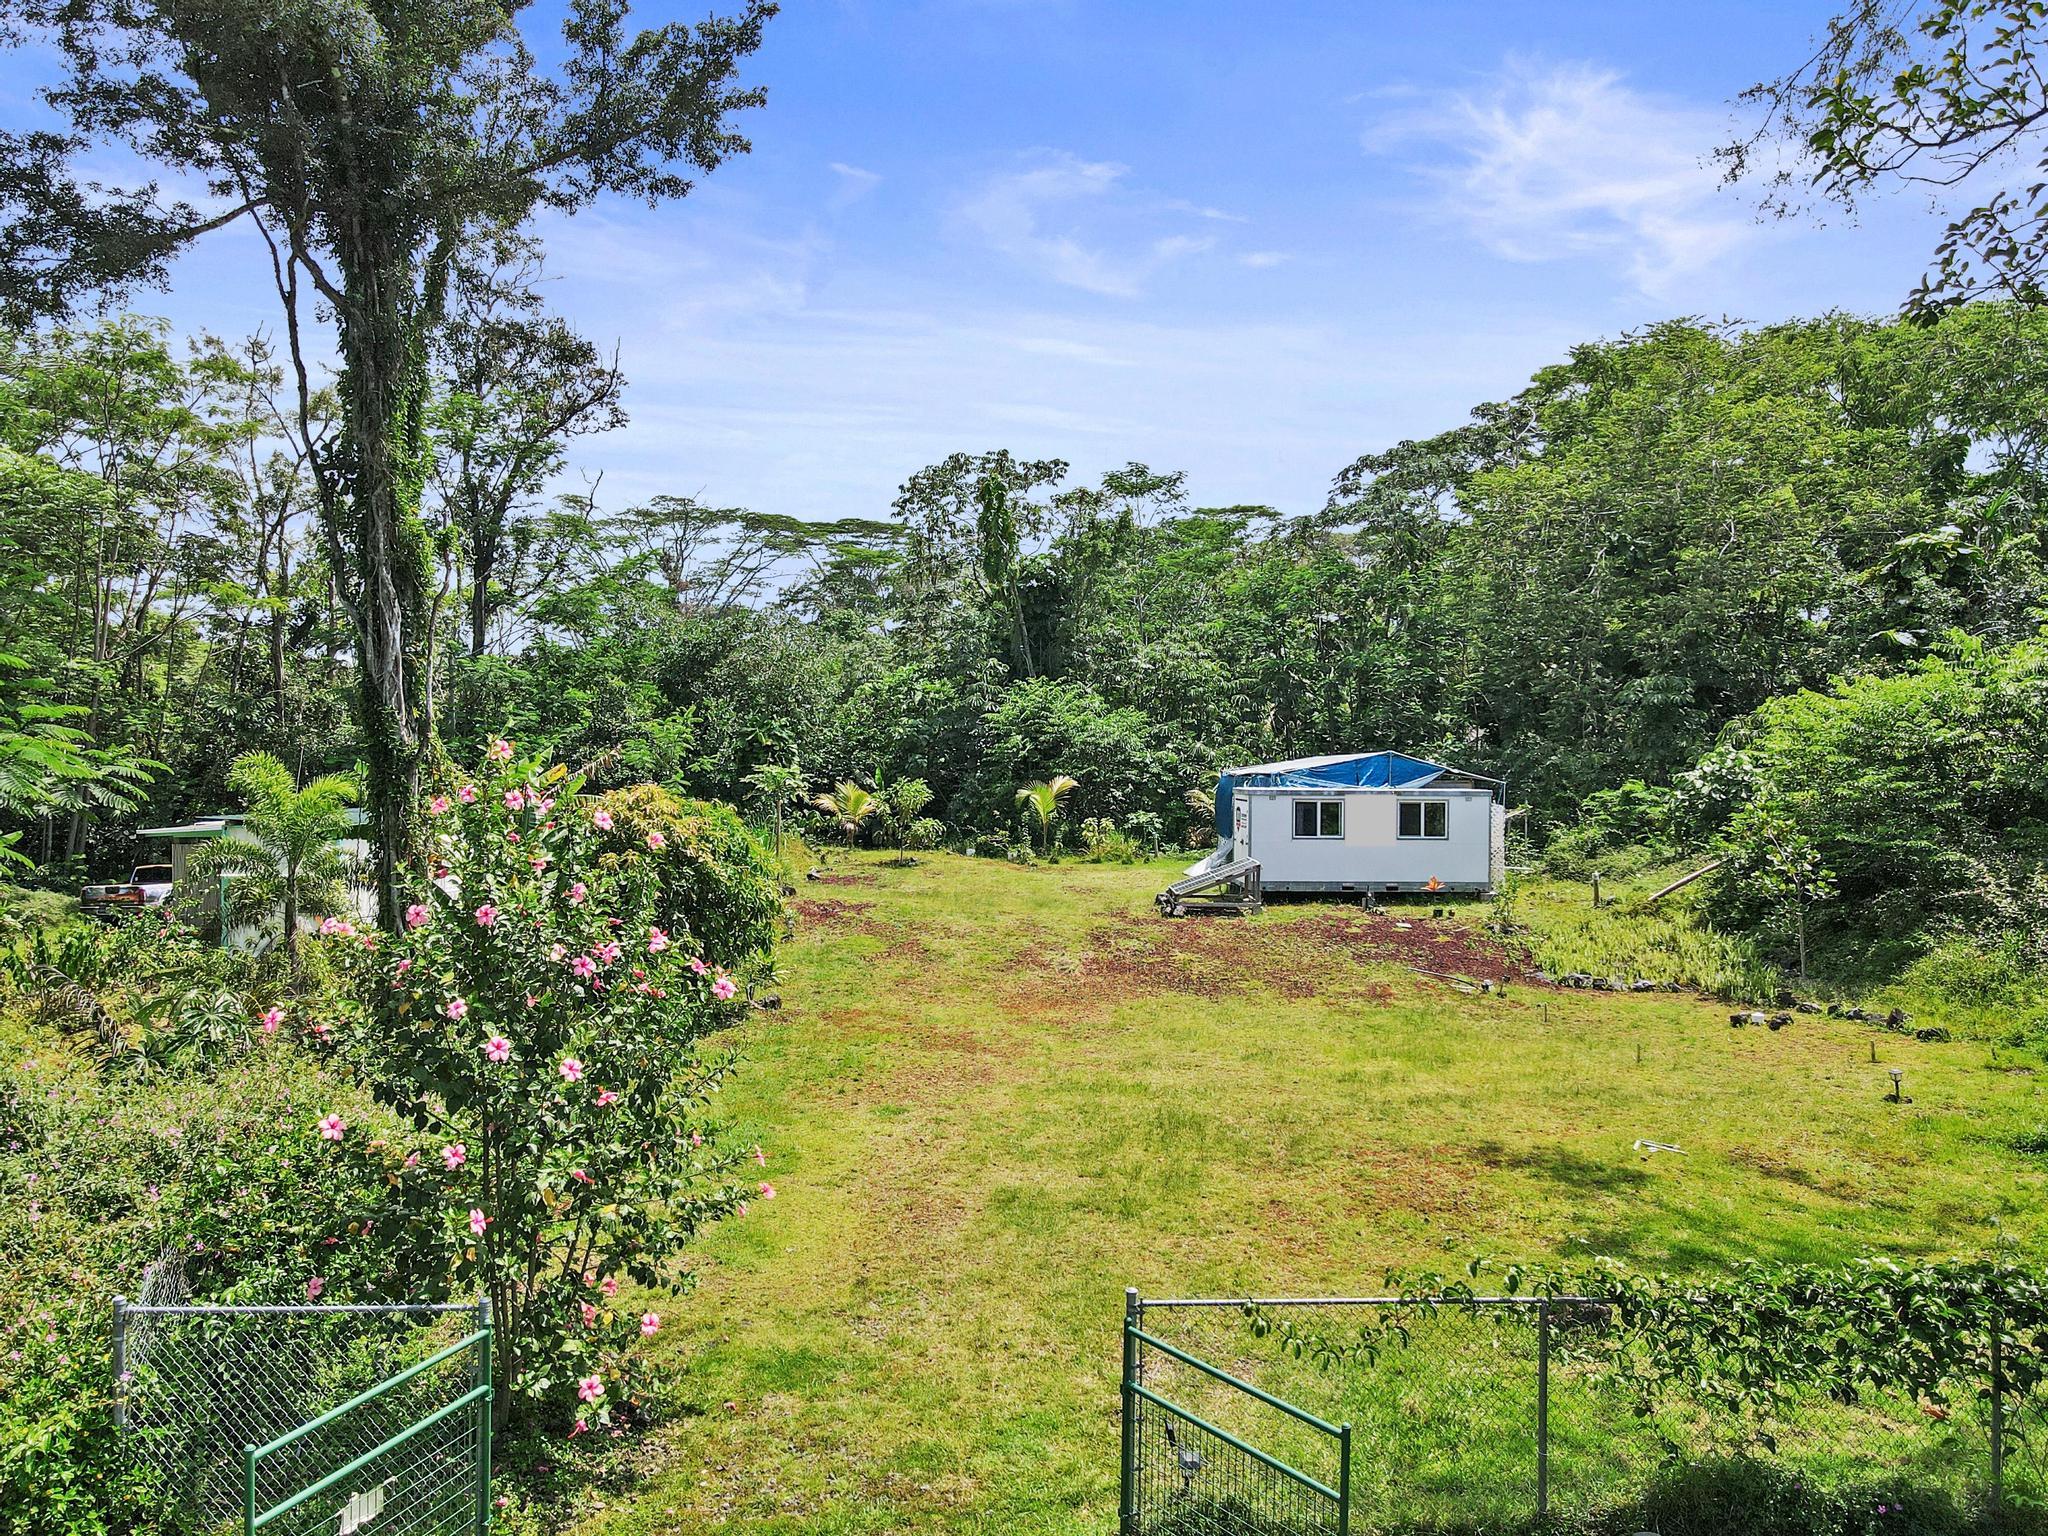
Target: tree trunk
<point x="291" y="922"/>
<point x="383" y="387"/>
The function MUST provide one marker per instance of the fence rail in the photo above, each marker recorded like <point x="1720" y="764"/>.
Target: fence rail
<point x="1494" y="1412"/>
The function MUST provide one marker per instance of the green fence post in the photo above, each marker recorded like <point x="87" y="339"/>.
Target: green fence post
<point x="1127" y="1498"/>
<point x="248" y="1490"/>
<point x="1543" y="1410"/>
<point x="1997" y="1416"/>
<point x="484" y="1408"/>
<point x="120" y="1362"/>
<point x="1344" y="1479"/>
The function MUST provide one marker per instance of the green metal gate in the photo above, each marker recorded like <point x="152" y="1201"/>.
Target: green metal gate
<point x="1185" y="1474"/>
<point x="351" y="1420"/>
<point x="429" y="1477"/>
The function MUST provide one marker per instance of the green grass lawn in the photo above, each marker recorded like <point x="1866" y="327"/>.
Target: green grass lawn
<point x="996" y="1096"/>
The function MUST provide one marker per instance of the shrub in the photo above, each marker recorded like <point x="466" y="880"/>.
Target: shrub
<point x="538" y="1021"/>
<point x="1103" y="843"/>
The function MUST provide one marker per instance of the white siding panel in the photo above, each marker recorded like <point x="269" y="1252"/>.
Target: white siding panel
<point x="1371" y="853"/>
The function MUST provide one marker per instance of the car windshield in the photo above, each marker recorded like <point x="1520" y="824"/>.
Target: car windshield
<point x="152" y="874"/>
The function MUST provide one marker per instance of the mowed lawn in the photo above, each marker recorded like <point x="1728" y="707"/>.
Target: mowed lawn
<point x="994" y="1097"/>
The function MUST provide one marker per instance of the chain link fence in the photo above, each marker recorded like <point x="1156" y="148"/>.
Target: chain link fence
<point x="197" y="1386"/>
<point x="1483" y="1415"/>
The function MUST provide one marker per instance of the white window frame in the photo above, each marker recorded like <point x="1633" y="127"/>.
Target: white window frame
<point x="1317" y="836"/>
<point x="1425" y="835"/>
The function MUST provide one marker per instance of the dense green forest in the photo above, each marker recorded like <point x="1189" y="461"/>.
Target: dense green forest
<point x="1609" y="577"/>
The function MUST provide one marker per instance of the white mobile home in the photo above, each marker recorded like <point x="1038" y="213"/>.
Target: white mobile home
<point x="1362" y="822"/>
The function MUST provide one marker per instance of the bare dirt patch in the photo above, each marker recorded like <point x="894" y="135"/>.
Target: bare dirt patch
<point x="840" y="916"/>
<point x="842" y="879"/>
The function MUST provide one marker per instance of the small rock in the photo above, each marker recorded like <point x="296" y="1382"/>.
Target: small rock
<point x="1640" y="985"/>
<point x="1779" y="1020"/>
<point x="1737" y="1020"/>
<point x="769" y="1001"/>
<point x="814" y="874"/>
<point x="1897" y="1018"/>
<point x="1806" y="1008"/>
<point x="1933" y="1033"/>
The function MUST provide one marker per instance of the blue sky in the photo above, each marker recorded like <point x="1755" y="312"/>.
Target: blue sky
<point x="1250" y="241"/>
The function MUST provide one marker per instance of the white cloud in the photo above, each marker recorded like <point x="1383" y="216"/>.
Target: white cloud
<point x="854" y="183"/>
<point x="1079" y="223"/>
<point x="1257" y="260"/>
<point x="1544" y="163"/>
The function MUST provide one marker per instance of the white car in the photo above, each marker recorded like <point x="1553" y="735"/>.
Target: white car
<point x="148" y="886"/>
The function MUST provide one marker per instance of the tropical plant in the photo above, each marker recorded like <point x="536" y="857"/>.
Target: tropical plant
<point x="1043" y="801"/>
<point x="848" y="804"/>
<point x="48" y="762"/>
<point x="777" y="786"/>
<point x="283" y="862"/>
<point x="905" y="801"/>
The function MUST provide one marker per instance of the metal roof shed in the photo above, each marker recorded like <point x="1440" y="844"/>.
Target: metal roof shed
<point x="1362" y="822"/>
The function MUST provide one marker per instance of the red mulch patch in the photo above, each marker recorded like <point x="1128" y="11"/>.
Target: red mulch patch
<point x="1208" y="957"/>
<point x="842" y="880"/>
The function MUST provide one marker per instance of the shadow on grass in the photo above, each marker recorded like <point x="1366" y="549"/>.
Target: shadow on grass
<point x="1568" y="1170"/>
<point x="1733" y="1497"/>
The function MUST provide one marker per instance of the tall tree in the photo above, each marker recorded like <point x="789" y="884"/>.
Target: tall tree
<point x="516" y="383"/>
<point x="1944" y="97"/>
<point x="371" y="142"/>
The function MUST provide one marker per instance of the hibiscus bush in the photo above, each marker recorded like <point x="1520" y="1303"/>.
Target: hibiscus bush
<point x="539" y="1020"/>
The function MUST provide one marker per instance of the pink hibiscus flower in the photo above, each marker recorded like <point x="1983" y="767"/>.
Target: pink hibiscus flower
<point x="606" y="1098"/>
<point x="577" y="893"/>
<point x="497" y="1048"/>
<point x="657" y="941"/>
<point x="610" y="1286"/>
<point x="333" y="1128"/>
<point x="477" y="1222"/>
<point x="650" y="1324"/>
<point x="590" y="1389"/>
<point x="656" y="842"/>
<point x="501" y="750"/>
<point x="456" y="1008"/>
<point x="767" y="1191"/>
<point x="454" y="1155"/>
<point x="438" y="806"/>
<point x="723" y="988"/>
<point x="584" y="967"/>
<point x="486" y="915"/>
<point x="514" y="800"/>
<point x="272" y="1017"/>
<point x="602" y="820"/>
<point x="466" y="794"/>
<point x="315" y="1286"/>
<point x="571" y="1070"/>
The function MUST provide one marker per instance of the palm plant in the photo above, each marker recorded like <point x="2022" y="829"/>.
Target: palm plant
<point x="1043" y="801"/>
<point x="778" y="785"/>
<point x="849" y="805"/>
<point x="284" y="860"/>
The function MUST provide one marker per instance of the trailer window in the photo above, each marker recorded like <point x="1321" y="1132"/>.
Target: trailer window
<point x="1319" y="818"/>
<point x="1423" y="818"/>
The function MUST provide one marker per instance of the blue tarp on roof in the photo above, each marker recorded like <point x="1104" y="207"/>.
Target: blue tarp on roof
<point x="1358" y="770"/>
